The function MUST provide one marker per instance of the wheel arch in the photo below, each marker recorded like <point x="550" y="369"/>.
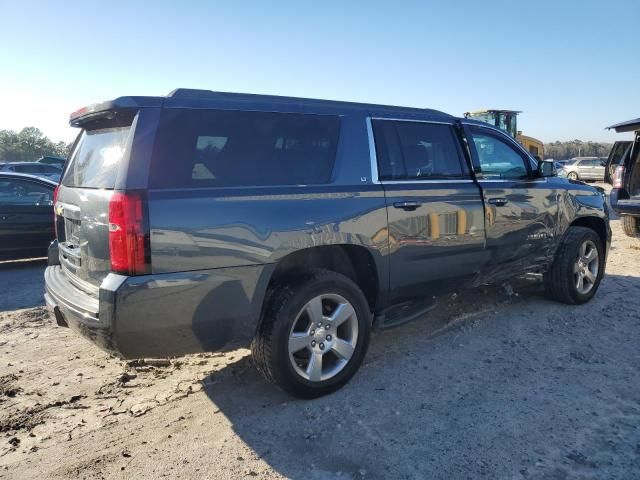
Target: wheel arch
<point x="353" y="261"/>
<point x="596" y="224"/>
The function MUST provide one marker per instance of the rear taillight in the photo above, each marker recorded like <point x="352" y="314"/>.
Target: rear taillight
<point x="618" y="175"/>
<point x="128" y="233"/>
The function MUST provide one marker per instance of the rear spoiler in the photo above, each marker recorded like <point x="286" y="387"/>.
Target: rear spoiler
<point x="108" y="109"/>
<point x="628" y="126"/>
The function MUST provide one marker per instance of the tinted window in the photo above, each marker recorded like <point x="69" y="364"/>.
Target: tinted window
<point x="23" y="192"/>
<point x="498" y="159"/>
<point x="416" y="150"/>
<point x="588" y="163"/>
<point x="619" y="149"/>
<point x="95" y="160"/>
<point x="209" y="148"/>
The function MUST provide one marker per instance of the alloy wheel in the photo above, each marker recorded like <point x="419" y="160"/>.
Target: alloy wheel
<point x="323" y="337"/>
<point x="586" y="266"/>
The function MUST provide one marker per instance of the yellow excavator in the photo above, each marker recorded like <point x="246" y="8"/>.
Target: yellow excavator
<point x="507" y="120"/>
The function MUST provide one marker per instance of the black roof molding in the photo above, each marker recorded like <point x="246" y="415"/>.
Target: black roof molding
<point x="191" y="95"/>
<point x="628" y="126"/>
<point x="195" y="98"/>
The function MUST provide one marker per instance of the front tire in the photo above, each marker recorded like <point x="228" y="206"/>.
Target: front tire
<point x="576" y="272"/>
<point x="314" y="334"/>
<point x="631" y="226"/>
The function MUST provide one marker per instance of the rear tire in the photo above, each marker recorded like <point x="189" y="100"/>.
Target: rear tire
<point x="631" y="226"/>
<point x="319" y="308"/>
<point x="576" y="272"/>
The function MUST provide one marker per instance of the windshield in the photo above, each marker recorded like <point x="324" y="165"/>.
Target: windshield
<point x="94" y="162"/>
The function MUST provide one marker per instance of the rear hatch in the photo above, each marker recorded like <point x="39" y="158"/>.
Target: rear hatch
<point x="630" y="161"/>
<point x="615" y="156"/>
<point x="82" y="204"/>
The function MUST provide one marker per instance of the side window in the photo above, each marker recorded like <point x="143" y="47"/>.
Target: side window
<point x="218" y="148"/>
<point x="20" y="192"/>
<point x="416" y="151"/>
<point x="498" y="159"/>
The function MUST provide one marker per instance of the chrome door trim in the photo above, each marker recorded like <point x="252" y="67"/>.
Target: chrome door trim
<point x="534" y="180"/>
<point x="373" y="157"/>
<point x="413" y="180"/>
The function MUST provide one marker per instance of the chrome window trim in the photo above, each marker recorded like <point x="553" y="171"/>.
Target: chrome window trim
<point x="413" y="120"/>
<point x="404" y="182"/>
<point x="523" y="180"/>
<point x="373" y="157"/>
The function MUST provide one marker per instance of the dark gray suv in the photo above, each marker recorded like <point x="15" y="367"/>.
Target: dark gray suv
<point x="188" y="222"/>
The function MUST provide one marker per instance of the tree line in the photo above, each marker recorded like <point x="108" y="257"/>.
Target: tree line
<point x="28" y="145"/>
<point x="575" y="148"/>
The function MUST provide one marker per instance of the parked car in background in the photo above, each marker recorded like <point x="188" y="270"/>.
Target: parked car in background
<point x="55" y="161"/>
<point x="625" y="194"/>
<point x="26" y="215"/>
<point x="50" y="172"/>
<point x="584" y="168"/>
<point x="190" y="221"/>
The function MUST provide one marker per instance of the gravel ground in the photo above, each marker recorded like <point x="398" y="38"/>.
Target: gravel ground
<point x="493" y="384"/>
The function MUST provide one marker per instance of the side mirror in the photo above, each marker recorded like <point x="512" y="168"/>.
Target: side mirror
<point x="547" y="168"/>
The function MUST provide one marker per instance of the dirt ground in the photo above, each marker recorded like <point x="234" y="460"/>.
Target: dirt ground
<point x="494" y="384"/>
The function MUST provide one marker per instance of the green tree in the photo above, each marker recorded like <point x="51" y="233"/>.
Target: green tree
<point x="29" y="144"/>
<point x="575" y="148"/>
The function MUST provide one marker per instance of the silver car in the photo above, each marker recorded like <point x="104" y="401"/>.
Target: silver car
<point x="584" y="168"/>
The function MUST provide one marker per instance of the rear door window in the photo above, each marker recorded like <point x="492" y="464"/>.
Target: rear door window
<point x="416" y="151"/>
<point x="96" y="158"/>
<point x="215" y="148"/>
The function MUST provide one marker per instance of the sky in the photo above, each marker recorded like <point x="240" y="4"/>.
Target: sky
<point x="572" y="67"/>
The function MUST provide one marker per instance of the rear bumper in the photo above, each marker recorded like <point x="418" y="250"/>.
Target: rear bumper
<point x="89" y="315"/>
<point x="622" y="205"/>
<point x="162" y="315"/>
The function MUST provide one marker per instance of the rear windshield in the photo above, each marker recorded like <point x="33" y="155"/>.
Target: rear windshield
<point x="214" y="148"/>
<point x="95" y="160"/>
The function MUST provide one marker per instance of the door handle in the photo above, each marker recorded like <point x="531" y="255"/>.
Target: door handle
<point x="409" y="206"/>
<point x="498" y="202"/>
